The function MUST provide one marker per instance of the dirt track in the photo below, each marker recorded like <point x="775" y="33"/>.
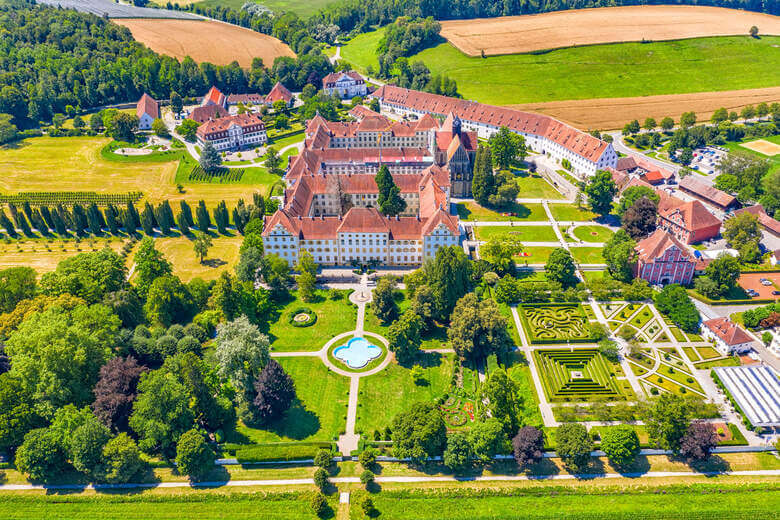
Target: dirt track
<point x="612" y="113"/>
<point x="518" y="34"/>
<point x="210" y="41"/>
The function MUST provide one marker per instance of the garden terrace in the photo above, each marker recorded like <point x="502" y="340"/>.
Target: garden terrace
<point x="579" y="374"/>
<point x="556" y="323"/>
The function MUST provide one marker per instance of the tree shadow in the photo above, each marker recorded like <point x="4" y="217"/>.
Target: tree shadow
<point x="714" y="464"/>
<point x="639" y="466"/>
<point x="544" y="468"/>
<point x="429" y="359"/>
<point x="298" y="423"/>
<point x="213" y="262"/>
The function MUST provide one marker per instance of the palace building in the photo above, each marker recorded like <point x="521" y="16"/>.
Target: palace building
<point x="542" y="133"/>
<point x="230" y="133"/>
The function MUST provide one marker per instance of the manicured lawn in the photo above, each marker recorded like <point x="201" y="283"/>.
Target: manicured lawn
<point x="678" y="376"/>
<point x="255" y="175"/>
<point x="473" y="211"/>
<point x="223" y="256"/>
<point x="571" y="213"/>
<point x="597" y="71"/>
<point x="593" y="233"/>
<point x="587" y="255"/>
<point x="534" y="186"/>
<point x="75" y="164"/>
<point x="534" y="255"/>
<point x="521" y="375"/>
<point x="731" y="361"/>
<point x="386" y="394"/>
<point x="522" y="233"/>
<point x="333" y="318"/>
<point x="193" y="505"/>
<point x="708" y="353"/>
<point x="286" y="141"/>
<point x="678" y="334"/>
<point x="321" y="410"/>
<point x="554" y="323"/>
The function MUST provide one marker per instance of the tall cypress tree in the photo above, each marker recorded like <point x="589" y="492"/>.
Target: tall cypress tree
<point x="38" y="222"/>
<point x="21" y="223"/>
<point x="187" y="212"/>
<point x="162" y="220"/>
<point x="111" y="219"/>
<point x="147" y="220"/>
<point x="483" y="182"/>
<point x="46" y="214"/>
<point x="7" y="224"/>
<point x="128" y="222"/>
<point x="93" y="219"/>
<point x="27" y="210"/>
<point x="184" y="226"/>
<point x="134" y="215"/>
<point x="79" y="219"/>
<point x="221" y="218"/>
<point x="202" y="215"/>
<point x="59" y="223"/>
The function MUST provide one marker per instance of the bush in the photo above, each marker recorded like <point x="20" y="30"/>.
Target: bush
<point x="321" y="478"/>
<point x="367" y="458"/>
<point x="323" y="459"/>
<point x="367" y="478"/>
<point x="367" y="505"/>
<point x="277" y="451"/>
<point x="319" y="505"/>
<point x="302" y="310"/>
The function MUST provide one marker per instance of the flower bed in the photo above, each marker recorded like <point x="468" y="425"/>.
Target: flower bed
<point x="302" y="317"/>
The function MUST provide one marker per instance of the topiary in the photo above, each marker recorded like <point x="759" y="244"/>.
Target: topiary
<point x="306" y="311"/>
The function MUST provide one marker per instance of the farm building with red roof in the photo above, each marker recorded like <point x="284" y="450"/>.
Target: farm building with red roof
<point x="147" y="111"/>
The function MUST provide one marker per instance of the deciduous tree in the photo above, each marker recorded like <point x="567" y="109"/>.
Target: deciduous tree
<point x="560" y="268"/>
<point x="419" y="433"/>
<point x="275" y="393"/>
<point x="194" y="456"/>
<point x="574" y="445"/>
<point x="621" y="444"/>
<point x="528" y="446"/>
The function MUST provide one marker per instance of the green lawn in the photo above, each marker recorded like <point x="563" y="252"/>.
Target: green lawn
<point x="473" y="211"/>
<point x="534" y="186"/>
<point x="534" y="255"/>
<point x="333" y="318"/>
<point x="774" y="160"/>
<point x="321" y="410"/>
<point x="587" y="255"/>
<point x="571" y="213"/>
<point x="522" y="233"/>
<point x="386" y="394"/>
<point x="194" y="505"/>
<point x="303" y="8"/>
<point x="593" y="233"/>
<point x="598" y="71"/>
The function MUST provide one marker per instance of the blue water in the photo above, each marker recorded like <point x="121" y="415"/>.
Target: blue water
<point x="357" y="353"/>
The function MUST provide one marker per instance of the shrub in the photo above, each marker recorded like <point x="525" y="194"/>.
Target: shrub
<point x="323" y="459"/>
<point x="321" y="478"/>
<point x="303" y="310"/>
<point x="367" y="505"/>
<point x="367" y="458"/>
<point x="319" y="505"/>
<point x="367" y="478"/>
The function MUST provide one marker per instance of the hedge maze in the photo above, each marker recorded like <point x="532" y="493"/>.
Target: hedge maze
<point x="556" y="323"/>
<point x="575" y="375"/>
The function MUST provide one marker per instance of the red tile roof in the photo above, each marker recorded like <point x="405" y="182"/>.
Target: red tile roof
<point x="249" y="122"/>
<point x="574" y="140"/>
<point x="728" y="331"/>
<point x="147" y="105"/>
<point x="213" y="96"/>
<point x="657" y="244"/>
<point x="278" y="93"/>
<point x="694" y="215"/>
<point x="203" y="114"/>
<point x="706" y="191"/>
<point x="360" y="111"/>
<point x="763" y="218"/>
<point x="252" y="98"/>
<point x="333" y="77"/>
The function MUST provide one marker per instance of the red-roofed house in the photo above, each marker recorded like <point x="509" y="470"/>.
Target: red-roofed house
<point x="767" y="222"/>
<point x="690" y="222"/>
<point x="245" y="99"/>
<point x="542" y="133"/>
<point x="279" y="93"/>
<point x="147" y="111"/>
<point x="728" y="336"/>
<point x="233" y="132"/>
<point x="207" y="113"/>
<point x="662" y="259"/>
<point x="701" y="190"/>
<point x="345" y="84"/>
<point x="214" y="97"/>
<point x="635" y="166"/>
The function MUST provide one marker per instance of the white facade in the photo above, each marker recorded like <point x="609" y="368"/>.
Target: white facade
<point x="237" y="139"/>
<point x="723" y="347"/>
<point x="145" y="122"/>
<point x="537" y="143"/>
<point x="346" y="87"/>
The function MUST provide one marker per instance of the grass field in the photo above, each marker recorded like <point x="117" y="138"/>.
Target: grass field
<point x="509" y="505"/>
<point x="386" y="394"/>
<point x="75" y="164"/>
<point x="571" y="213"/>
<point x="587" y="255"/>
<point x="223" y="256"/>
<point x="774" y="159"/>
<point x="593" y="233"/>
<point x="534" y="255"/>
<point x="225" y="42"/>
<point x="533" y="186"/>
<point x="321" y="410"/>
<point x="598" y="71"/>
<point x="34" y="253"/>
<point x="522" y="233"/>
<point x="333" y="318"/>
<point x="473" y="211"/>
<point x="303" y="8"/>
<point x="554" y="30"/>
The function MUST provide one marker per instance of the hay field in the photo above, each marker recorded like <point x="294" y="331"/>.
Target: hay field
<point x="210" y="41"/>
<point x="613" y="113"/>
<point x="519" y="34"/>
<point x="75" y="164"/>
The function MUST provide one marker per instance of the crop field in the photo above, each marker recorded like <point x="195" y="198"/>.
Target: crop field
<point x="225" y="43"/>
<point x="612" y="113"/>
<point x="518" y="34"/>
<point x="223" y="256"/>
<point x="619" y="70"/>
<point x="75" y="164"/>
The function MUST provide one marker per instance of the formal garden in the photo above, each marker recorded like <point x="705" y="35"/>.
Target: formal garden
<point x="578" y="374"/>
<point x="555" y="323"/>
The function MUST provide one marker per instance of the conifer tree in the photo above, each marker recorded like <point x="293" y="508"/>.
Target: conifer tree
<point x="59" y="223"/>
<point x="27" y="210"/>
<point x="147" y="220"/>
<point x="162" y="221"/>
<point x="111" y="219"/>
<point x="184" y="226"/>
<point x="21" y="223"/>
<point x="46" y="214"/>
<point x="93" y="219"/>
<point x="389" y="199"/>
<point x="79" y="219"/>
<point x="202" y="214"/>
<point x="483" y="182"/>
<point x="221" y="218"/>
<point x="7" y="224"/>
<point x="65" y="216"/>
<point x="38" y="222"/>
<point x="128" y="222"/>
<point x="187" y="212"/>
<point x="134" y="215"/>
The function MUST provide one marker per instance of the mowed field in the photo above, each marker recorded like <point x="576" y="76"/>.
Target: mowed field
<point x="206" y="41"/>
<point x="529" y="33"/>
<point x="723" y="63"/>
<point x="612" y="113"/>
<point x="303" y="8"/>
<point x="74" y="164"/>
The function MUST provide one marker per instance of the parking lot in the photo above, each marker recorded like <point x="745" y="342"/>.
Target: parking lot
<point x="707" y="159"/>
<point x="753" y="282"/>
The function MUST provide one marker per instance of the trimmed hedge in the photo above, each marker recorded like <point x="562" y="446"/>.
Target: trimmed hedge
<point x="281" y="451"/>
<point x="302" y="310"/>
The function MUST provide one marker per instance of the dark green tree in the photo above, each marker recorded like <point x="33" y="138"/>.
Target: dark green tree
<point x="419" y="433"/>
<point x="210" y="160"/>
<point x="389" y="199"/>
<point x="194" y="456"/>
<point x="202" y="215"/>
<point x="601" y="191"/>
<point x="573" y="444"/>
<point x="560" y="268"/>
